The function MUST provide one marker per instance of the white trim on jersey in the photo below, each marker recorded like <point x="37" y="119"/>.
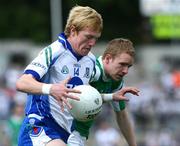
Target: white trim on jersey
<point x="35" y="116"/>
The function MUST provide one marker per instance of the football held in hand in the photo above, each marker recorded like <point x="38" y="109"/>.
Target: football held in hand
<point x="89" y="105"/>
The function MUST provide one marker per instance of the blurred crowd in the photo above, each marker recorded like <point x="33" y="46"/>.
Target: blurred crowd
<point x="12" y="102"/>
<point x="155" y="113"/>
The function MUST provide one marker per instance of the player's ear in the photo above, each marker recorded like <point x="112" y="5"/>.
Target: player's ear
<point x="108" y="58"/>
<point x="73" y="30"/>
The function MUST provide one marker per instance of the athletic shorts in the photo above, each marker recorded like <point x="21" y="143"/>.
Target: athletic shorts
<point x="75" y="139"/>
<point x="38" y="131"/>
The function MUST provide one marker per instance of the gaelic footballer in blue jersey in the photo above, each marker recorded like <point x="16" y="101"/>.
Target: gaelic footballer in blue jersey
<point x="49" y="78"/>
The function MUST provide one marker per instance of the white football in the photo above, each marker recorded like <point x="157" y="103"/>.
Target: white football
<point x="89" y="105"/>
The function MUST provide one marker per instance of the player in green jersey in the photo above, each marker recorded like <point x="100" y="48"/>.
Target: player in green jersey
<point x="111" y="67"/>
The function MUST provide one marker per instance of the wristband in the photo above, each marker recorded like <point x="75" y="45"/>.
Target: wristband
<point x="46" y="88"/>
<point x="107" y="97"/>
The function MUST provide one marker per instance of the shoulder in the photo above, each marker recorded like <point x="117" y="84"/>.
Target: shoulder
<point x="91" y="56"/>
<point x="97" y="73"/>
<point x="54" y="50"/>
<point x="57" y="47"/>
<point x="50" y="53"/>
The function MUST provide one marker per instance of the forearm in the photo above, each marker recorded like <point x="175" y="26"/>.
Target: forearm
<point x="125" y="125"/>
<point x="26" y="83"/>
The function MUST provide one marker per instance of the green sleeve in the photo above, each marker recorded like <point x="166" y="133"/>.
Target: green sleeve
<point x="83" y="127"/>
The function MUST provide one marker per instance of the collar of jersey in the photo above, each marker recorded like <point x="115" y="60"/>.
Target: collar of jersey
<point x="63" y="40"/>
<point x="104" y="77"/>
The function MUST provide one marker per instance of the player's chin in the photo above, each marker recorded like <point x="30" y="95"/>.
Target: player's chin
<point x="117" y="78"/>
<point x="84" y="53"/>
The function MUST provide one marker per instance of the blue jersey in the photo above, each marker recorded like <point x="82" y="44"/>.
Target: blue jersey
<point x="54" y="64"/>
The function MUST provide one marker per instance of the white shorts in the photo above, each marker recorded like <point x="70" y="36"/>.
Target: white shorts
<point x="75" y="139"/>
<point x="38" y="131"/>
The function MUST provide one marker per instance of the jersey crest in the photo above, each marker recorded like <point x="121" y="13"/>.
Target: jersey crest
<point x="65" y="70"/>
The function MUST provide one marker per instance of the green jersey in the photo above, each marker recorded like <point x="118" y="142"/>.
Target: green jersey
<point x="106" y="85"/>
<point x="103" y="85"/>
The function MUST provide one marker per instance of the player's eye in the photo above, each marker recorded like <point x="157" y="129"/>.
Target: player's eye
<point x="129" y="66"/>
<point x="125" y="65"/>
<point x="89" y="37"/>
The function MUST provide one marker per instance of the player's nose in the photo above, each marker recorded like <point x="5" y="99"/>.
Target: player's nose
<point x="125" y="70"/>
<point x="92" y="42"/>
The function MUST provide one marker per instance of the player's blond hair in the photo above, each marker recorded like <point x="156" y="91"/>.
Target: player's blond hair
<point x="81" y="17"/>
<point x="118" y="46"/>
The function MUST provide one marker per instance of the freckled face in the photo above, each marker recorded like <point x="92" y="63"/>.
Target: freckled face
<point x="83" y="41"/>
<point x="118" y="67"/>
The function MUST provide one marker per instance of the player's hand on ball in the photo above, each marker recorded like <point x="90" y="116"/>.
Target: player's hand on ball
<point x="120" y="94"/>
<point x="89" y="106"/>
<point x="61" y="93"/>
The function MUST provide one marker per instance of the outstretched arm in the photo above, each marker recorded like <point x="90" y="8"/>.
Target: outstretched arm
<point x="120" y="94"/>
